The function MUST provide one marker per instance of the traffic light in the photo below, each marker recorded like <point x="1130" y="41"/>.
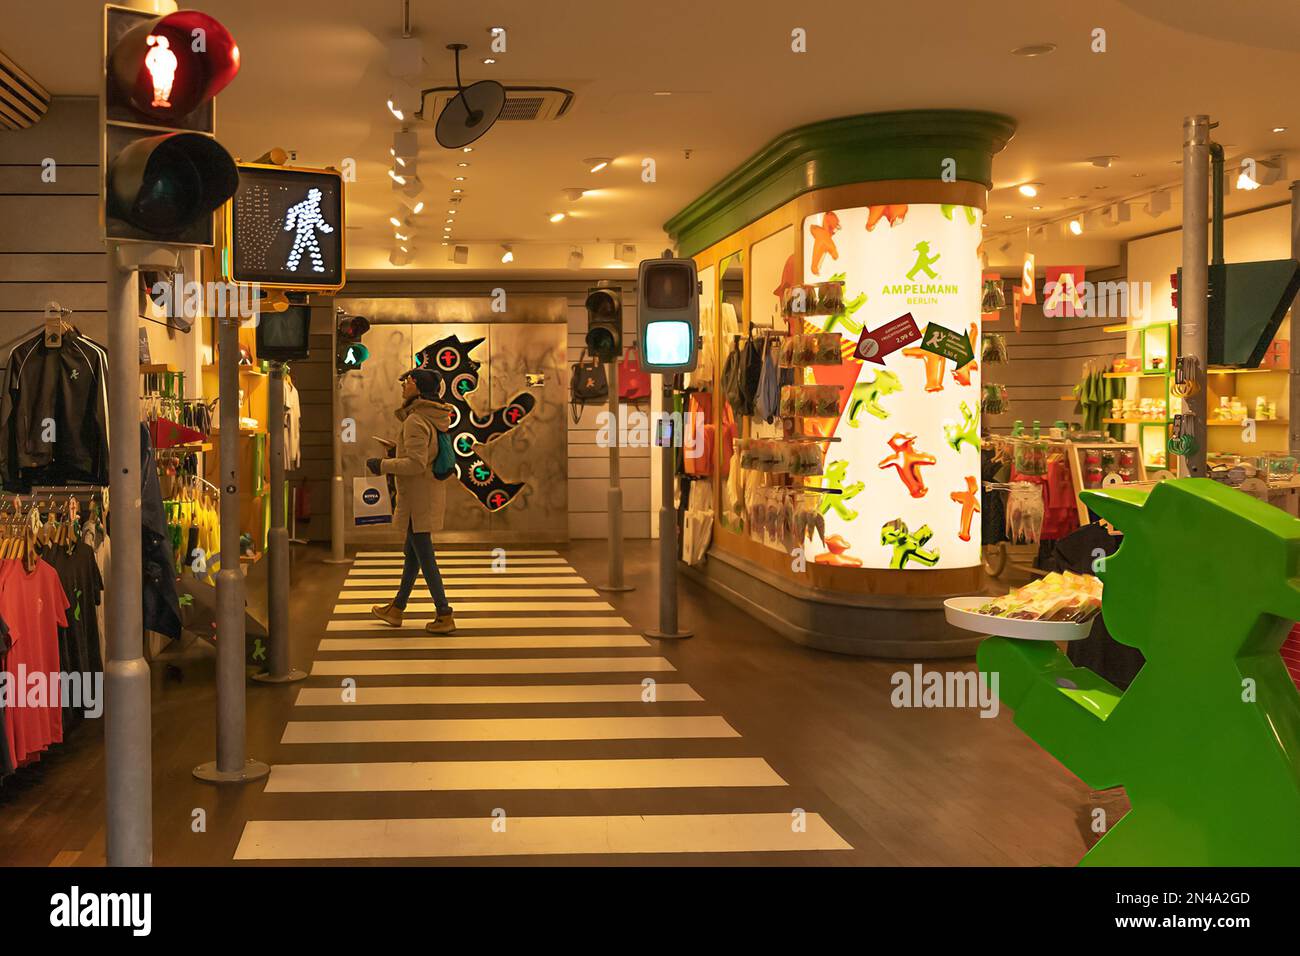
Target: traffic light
<point x="605" y="322"/>
<point x="349" y="353"/>
<point x="164" y="172"/>
<point x="668" y="314"/>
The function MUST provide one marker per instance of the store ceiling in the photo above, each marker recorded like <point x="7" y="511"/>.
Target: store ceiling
<point x="315" y="80"/>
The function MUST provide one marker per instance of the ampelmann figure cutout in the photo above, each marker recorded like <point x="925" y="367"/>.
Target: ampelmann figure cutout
<point x="1206" y="740"/>
<point x="459" y="378"/>
<point x="306" y="218"/>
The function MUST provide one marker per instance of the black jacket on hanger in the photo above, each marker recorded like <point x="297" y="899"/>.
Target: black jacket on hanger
<point x="66" y="387"/>
<point x="161" y="607"/>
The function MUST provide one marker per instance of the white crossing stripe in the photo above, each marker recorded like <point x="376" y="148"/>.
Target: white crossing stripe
<point x="547" y="570"/>
<point x="444" y="775"/>
<point x="362" y="594"/>
<point x="555" y="580"/>
<point x="485" y="623"/>
<point x="510" y="552"/>
<point x="505" y="694"/>
<point x="533" y="836"/>
<point x="492" y="665"/>
<point x="479" y="729"/>
<point x="508" y="642"/>
<point x="503" y="606"/>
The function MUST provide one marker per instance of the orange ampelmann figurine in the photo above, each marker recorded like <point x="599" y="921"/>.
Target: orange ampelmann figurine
<point x="907" y="461"/>
<point x="824" y="241"/>
<point x="934" y="366"/>
<point x="891" y="213"/>
<point x="969" y="501"/>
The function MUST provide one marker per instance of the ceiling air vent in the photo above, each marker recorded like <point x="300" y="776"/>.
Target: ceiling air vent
<point x="23" y="101"/>
<point x="523" y="103"/>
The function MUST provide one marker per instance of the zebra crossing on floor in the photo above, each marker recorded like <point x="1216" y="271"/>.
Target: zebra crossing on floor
<point x="516" y="609"/>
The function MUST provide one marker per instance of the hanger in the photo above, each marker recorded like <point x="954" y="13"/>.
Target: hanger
<point x="55" y="326"/>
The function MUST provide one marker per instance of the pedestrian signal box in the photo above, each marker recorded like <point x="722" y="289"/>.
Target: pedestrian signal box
<point x="285" y="228"/>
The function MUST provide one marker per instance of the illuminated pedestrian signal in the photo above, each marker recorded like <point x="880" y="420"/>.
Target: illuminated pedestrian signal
<point x="349" y="353"/>
<point x="164" y="172"/>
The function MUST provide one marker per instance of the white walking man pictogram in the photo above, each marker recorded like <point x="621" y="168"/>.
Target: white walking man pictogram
<point x="307" y="219"/>
<point x="160" y="61"/>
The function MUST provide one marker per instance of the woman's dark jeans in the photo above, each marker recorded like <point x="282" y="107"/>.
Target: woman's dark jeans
<point x="420" y="557"/>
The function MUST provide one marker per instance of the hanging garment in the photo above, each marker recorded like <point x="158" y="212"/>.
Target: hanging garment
<point x="83" y="586"/>
<point x="33" y="605"/>
<point x="161" y="607"/>
<point x="54" y="413"/>
<point x="767" y="402"/>
<point x="6" y="758"/>
<point x="292" y="425"/>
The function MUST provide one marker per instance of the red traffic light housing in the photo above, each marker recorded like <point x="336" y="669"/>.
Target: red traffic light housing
<point x="164" y="173"/>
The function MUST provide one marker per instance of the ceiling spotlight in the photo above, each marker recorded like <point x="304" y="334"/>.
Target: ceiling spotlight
<point x="458" y="190"/>
<point x="575" y="258"/>
<point x="1102" y="162"/>
<point x="397" y="223"/>
<point x="460" y="254"/>
<point x="418" y="208"/>
<point x="1118" y="213"/>
<point x="1008" y="216"/>
<point x="1279" y="129"/>
<point x="400" y="237"/>
<point x="488" y="61"/>
<point x="574" y="193"/>
<point x="1034" y="49"/>
<point x="1256" y="173"/>
<point x="1035" y="208"/>
<point x="1029" y="189"/>
<point x="411" y="185"/>
<point x="596" y="163"/>
<point x="401" y="256"/>
<point x="460" y="179"/>
<point x="663" y="93"/>
<point x="1158" y="203"/>
<point x="397" y="178"/>
<point x="1005" y="246"/>
<point x="1076" y="227"/>
<point x="507" y="254"/>
<point x="405" y="145"/>
<point x="462" y="165"/>
<point x="556" y="217"/>
<point x="398" y="159"/>
<point x="467" y="149"/>
<point x="392" y="108"/>
<point x="624" y="252"/>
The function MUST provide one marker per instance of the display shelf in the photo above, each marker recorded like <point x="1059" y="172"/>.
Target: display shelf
<point x="243" y="370"/>
<point x="1246" y="371"/>
<point x="1147" y="373"/>
<point x="1139" y="328"/>
<point x="1258" y="421"/>
<point x="1135" y="421"/>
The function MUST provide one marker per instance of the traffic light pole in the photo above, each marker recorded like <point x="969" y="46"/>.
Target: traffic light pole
<point x="337" y="555"/>
<point x="614" y="498"/>
<point x="668" y="629"/>
<point x="232" y="764"/>
<point x="279" y="668"/>
<point x="128" y="757"/>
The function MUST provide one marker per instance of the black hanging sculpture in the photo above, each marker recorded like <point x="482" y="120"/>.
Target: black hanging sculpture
<point x="458" y="378"/>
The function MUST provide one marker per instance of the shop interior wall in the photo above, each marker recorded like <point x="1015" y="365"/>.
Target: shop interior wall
<point x="51" y="243"/>
<point x="588" y="462"/>
<point x="1047" y="358"/>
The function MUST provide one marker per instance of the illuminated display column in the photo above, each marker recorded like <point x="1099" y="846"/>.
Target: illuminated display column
<point x="908" y="430"/>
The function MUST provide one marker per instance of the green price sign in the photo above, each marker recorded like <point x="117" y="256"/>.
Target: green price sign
<point x="949" y="344"/>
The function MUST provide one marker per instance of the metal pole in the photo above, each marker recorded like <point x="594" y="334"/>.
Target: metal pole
<point x="279" y="669"/>
<point x="614" y="497"/>
<point x="668" y="629"/>
<point x="337" y="500"/>
<point x="1194" y="288"/>
<point x="128" y="755"/>
<point x="1295" y="353"/>
<point x="232" y="764"/>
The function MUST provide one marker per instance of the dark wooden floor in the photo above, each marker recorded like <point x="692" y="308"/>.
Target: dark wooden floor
<point x="904" y="787"/>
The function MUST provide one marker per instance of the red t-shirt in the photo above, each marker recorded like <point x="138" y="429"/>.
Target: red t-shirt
<point x="34" y="608"/>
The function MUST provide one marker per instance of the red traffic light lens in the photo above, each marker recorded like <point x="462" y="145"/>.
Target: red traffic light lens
<point x="170" y="66"/>
<point x="163" y="183"/>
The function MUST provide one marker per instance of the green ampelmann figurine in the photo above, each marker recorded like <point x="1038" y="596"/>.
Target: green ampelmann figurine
<point x="1206" y="740"/>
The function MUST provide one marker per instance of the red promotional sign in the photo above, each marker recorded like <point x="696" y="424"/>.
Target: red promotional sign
<point x="873" y="346"/>
<point x="1063" y="291"/>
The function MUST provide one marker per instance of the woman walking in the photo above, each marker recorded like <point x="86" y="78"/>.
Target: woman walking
<point x="420" y="496"/>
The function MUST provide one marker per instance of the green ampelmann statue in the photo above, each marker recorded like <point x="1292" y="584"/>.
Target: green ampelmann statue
<point x="1206" y="740"/>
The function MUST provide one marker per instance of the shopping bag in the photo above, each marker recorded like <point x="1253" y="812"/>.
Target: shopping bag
<point x="371" y="503"/>
<point x="633" y="380"/>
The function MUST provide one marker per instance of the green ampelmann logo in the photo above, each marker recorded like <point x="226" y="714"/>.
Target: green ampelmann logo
<point x="921" y="292"/>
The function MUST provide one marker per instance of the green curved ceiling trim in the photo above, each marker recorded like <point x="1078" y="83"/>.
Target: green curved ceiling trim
<point x="907" y="144"/>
